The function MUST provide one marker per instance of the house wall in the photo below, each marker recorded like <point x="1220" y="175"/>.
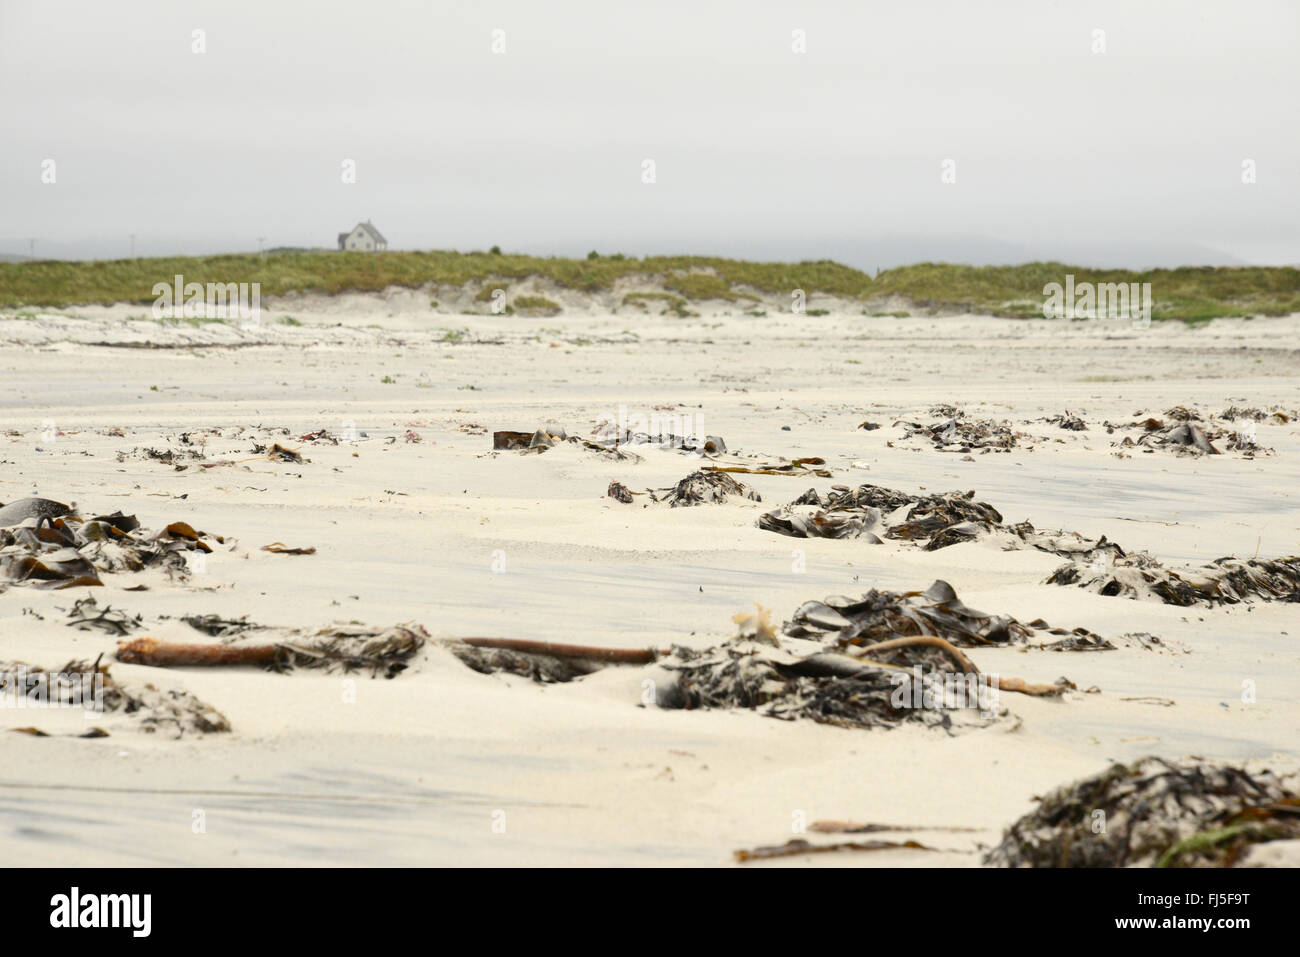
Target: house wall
<point x="360" y="241"/>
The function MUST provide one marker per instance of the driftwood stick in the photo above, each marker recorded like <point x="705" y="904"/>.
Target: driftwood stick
<point x="163" y="654"/>
<point x="617" y="656"/>
<point x="966" y="665"/>
<point x="1007" y="683"/>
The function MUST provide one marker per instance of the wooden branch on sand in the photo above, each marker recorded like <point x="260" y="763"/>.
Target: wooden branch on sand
<point x="168" y="654"/>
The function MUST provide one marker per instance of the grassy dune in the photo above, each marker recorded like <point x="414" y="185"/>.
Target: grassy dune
<point x="1190" y="293"/>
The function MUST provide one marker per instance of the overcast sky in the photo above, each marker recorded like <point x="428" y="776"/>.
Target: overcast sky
<point x="1128" y="157"/>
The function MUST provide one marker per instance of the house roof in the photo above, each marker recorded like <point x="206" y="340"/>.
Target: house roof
<point x="374" y="233"/>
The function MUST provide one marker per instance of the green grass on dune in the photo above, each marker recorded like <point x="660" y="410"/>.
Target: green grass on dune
<point x="1192" y="293"/>
<point x="1189" y="293"/>
<point x="55" y="283"/>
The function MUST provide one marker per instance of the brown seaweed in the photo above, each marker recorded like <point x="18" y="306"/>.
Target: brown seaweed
<point x="699" y="488"/>
<point x="827" y="689"/>
<point x="86" y="614"/>
<point x="550" y="436"/>
<point x="48" y="551"/>
<point x="619" y="492"/>
<point x="956" y="433"/>
<point x="1099" y="565"/>
<point x="1154" y="812"/>
<point x="870" y="511"/>
<point x="173" y="711"/>
<point x="883" y="615"/>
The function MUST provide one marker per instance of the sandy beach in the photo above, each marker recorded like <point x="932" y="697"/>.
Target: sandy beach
<point x="414" y="518"/>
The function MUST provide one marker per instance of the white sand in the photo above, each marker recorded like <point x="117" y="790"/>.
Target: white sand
<point x="417" y="768"/>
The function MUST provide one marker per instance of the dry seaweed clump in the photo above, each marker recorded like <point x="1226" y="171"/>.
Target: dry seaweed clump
<point x="880" y="618"/>
<point x="1225" y="581"/>
<point x="80" y="684"/>
<point x="704" y="487"/>
<point x="551" y="436"/>
<point x="1186" y="432"/>
<point x="45" y="544"/>
<point x="953" y="432"/>
<point x="701" y="488"/>
<point x="829" y="689"/>
<point x="1097" y="564"/>
<point x="1154" y="813"/>
<point x="870" y="511"/>
<point x="1275" y="416"/>
<point x="1068" y="421"/>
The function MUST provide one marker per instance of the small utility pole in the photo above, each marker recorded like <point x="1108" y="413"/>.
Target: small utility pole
<point x="260" y="251"/>
<point x="133" y="245"/>
<point x="33" y="247"/>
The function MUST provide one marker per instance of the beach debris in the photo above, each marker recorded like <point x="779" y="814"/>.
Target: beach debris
<point x="86" y="614"/>
<point x="1186" y="432"/>
<point x="542" y="661"/>
<point x="870" y="511"/>
<point x="756" y="626"/>
<point x="1226" y="581"/>
<point x="881" y="615"/>
<point x="709" y="445"/>
<point x="826" y="688"/>
<point x="550" y="436"/>
<point x="1275" y="416"/>
<point x="16" y="513"/>
<point x="850" y="827"/>
<point x="1068" y="421"/>
<point x="619" y="492"/>
<point x="173" y="711"/>
<point x="869" y="426"/>
<point x="953" y="432"/>
<point x="1154" y="812"/>
<point x="699" y="488"/>
<point x="349" y="648"/>
<point x="219" y="627"/>
<point x="881" y="621"/>
<point x="797" y="846"/>
<point x="1098" y="565"/>
<point x="44" y="544"/>
<point x="1184" y="437"/>
<point x="280" y="548"/>
<point x="802" y="466"/>
<point x="278" y="453"/>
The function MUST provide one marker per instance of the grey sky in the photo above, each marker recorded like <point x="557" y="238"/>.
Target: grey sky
<point x="1131" y="157"/>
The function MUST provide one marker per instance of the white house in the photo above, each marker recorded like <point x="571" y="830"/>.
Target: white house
<point x="363" y="238"/>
